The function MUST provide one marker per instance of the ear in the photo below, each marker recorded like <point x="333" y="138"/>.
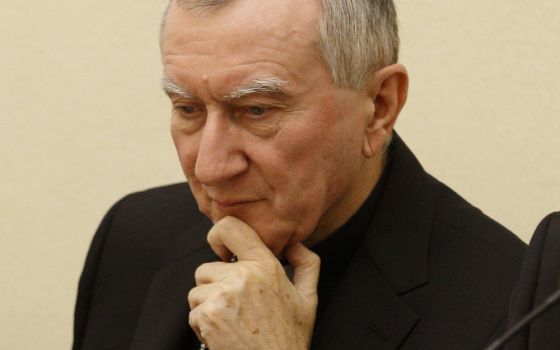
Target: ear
<point x="388" y="89"/>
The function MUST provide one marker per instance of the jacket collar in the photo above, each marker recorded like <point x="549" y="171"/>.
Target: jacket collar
<point x="397" y="241"/>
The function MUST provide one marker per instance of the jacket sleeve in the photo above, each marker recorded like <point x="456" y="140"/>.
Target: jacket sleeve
<point x="88" y="276"/>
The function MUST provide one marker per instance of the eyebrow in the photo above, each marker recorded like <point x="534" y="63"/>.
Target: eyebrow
<point x="265" y="85"/>
<point x="172" y="88"/>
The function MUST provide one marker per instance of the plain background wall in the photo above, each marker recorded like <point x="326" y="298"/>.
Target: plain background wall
<point x="83" y="122"/>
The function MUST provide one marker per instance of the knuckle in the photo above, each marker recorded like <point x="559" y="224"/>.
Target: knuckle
<point x="211" y="311"/>
<point x="235" y="284"/>
<point x="193" y="318"/>
<point x="191" y="296"/>
<point x="198" y="273"/>
<point x="202" y="272"/>
<point x="225" y="294"/>
<point x="223" y="290"/>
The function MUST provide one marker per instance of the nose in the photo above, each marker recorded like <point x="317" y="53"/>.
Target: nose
<point x="220" y="156"/>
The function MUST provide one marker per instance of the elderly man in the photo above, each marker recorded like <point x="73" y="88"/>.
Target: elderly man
<point x="320" y="228"/>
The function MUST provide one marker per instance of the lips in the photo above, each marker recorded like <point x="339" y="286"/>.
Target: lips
<point x="231" y="204"/>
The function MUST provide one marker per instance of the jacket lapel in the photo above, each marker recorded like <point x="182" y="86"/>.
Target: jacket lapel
<point x="365" y="313"/>
<point x="164" y="324"/>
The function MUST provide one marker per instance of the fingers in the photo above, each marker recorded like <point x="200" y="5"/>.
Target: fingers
<point x="193" y="323"/>
<point x="205" y="302"/>
<point x="306" y="266"/>
<point x="212" y="272"/>
<point x="208" y="304"/>
<point x="231" y="235"/>
<point x="200" y="294"/>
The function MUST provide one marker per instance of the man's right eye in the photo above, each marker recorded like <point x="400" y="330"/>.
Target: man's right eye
<point x="187" y="109"/>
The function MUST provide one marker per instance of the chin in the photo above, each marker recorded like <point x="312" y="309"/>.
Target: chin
<point x="276" y="233"/>
<point x="275" y="240"/>
<point x="282" y="237"/>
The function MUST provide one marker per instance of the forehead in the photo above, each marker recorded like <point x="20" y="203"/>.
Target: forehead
<point x="245" y="36"/>
<point x="278" y="17"/>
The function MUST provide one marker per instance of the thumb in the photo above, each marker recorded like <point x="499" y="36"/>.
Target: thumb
<point x="233" y="235"/>
<point x="306" y="266"/>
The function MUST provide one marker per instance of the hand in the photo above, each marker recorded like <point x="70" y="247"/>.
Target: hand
<point x="252" y="304"/>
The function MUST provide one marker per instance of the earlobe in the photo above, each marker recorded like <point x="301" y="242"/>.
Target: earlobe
<point x="374" y="142"/>
<point x="388" y="90"/>
<point x="366" y="148"/>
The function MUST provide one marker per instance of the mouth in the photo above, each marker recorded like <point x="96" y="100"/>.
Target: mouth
<point x="228" y="205"/>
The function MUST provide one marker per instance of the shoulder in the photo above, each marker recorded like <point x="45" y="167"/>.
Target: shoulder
<point x="170" y="202"/>
<point x="147" y="224"/>
<point x="458" y="220"/>
<point x="477" y="258"/>
<point x="159" y="203"/>
<point x="136" y="239"/>
<point x="473" y="265"/>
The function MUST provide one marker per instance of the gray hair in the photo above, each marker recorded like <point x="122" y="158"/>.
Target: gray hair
<point x="355" y="37"/>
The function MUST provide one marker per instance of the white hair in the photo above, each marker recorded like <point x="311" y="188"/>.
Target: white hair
<point x="358" y="37"/>
<point x="264" y="85"/>
<point x="172" y="88"/>
<point x="355" y="37"/>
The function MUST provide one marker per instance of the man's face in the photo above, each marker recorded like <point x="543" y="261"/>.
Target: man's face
<point x="262" y="132"/>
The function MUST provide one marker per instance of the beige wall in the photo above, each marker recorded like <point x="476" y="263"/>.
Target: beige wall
<point x="83" y="122"/>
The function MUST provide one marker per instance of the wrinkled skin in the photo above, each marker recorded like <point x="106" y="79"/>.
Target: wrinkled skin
<point x="271" y="170"/>
<point x="251" y="304"/>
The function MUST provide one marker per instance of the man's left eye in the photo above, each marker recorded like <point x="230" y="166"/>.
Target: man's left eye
<point x="257" y="110"/>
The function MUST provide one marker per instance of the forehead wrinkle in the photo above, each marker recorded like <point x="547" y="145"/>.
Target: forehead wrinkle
<point x="265" y="85"/>
<point x="172" y="88"/>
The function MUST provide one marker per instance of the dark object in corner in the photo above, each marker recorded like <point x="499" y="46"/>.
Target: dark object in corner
<point x="538" y="280"/>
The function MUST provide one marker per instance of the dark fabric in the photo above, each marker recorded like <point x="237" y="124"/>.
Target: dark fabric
<point x="337" y="250"/>
<point x="431" y="272"/>
<point x="539" y="278"/>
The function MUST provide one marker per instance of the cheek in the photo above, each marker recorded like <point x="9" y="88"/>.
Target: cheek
<point x="313" y="164"/>
<point x="186" y="147"/>
<point x="295" y="167"/>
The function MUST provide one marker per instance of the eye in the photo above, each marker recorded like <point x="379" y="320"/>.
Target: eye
<point x="188" y="111"/>
<point x="257" y="110"/>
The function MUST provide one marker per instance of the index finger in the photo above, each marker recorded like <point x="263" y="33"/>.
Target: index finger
<point x="231" y="235"/>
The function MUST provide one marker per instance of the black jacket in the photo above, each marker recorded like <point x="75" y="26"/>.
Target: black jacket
<point x="432" y="272"/>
